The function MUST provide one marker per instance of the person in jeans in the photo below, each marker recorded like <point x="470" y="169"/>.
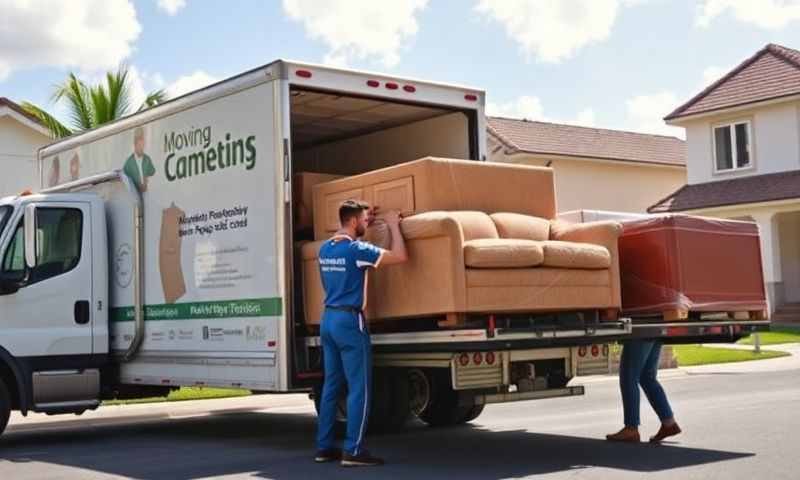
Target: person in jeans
<point x="639" y="366"/>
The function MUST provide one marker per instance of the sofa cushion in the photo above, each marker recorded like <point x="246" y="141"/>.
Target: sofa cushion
<point x="560" y="254"/>
<point x="502" y="253"/>
<point x="515" y="225"/>
<point x="475" y="225"/>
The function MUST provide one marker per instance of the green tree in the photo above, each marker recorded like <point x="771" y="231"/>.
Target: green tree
<point x="90" y="106"/>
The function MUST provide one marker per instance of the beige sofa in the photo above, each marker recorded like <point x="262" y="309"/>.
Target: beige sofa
<point x="481" y="238"/>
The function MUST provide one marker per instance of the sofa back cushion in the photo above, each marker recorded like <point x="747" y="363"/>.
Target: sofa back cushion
<point x="475" y="225"/>
<point x="523" y="227"/>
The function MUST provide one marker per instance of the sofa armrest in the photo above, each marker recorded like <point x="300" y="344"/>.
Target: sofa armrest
<point x="605" y="233"/>
<point x="430" y="225"/>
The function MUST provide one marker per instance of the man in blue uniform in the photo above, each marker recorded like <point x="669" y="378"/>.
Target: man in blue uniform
<point x="347" y="356"/>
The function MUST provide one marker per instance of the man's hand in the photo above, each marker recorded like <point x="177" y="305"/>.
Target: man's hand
<point x="372" y="214"/>
<point x="397" y="254"/>
<point x="392" y="218"/>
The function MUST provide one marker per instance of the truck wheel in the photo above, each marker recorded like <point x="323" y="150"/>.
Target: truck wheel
<point x="444" y="409"/>
<point x="473" y="413"/>
<point x="390" y="407"/>
<point x="420" y="390"/>
<point x="390" y="400"/>
<point x="5" y="406"/>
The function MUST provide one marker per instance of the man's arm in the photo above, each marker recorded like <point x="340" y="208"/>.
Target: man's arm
<point x="397" y="254"/>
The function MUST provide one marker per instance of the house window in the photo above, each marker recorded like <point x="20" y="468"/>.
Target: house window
<point x="732" y="146"/>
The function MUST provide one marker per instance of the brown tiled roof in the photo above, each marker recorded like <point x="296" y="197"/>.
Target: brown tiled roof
<point x="568" y="140"/>
<point x="736" y="191"/>
<point x="5" y="102"/>
<point x="773" y="72"/>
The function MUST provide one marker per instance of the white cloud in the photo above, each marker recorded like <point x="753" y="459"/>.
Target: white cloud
<point x="81" y="34"/>
<point x="767" y="14"/>
<point x="141" y="84"/>
<point x="530" y="108"/>
<point x="189" y="83"/>
<point x="552" y="31"/>
<point x="712" y="74"/>
<point x="358" y="29"/>
<point x="645" y="114"/>
<point x="171" y="7"/>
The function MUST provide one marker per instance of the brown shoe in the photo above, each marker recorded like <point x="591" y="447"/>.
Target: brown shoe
<point x="664" y="432"/>
<point x="627" y="434"/>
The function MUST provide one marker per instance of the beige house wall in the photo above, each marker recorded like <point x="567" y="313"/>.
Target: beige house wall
<point x="775" y="142"/>
<point x="601" y="184"/>
<point x="18" y="145"/>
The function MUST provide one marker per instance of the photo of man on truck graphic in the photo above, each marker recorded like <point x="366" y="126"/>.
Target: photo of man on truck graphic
<point x="139" y="167"/>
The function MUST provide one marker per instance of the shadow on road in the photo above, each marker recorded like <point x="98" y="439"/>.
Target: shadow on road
<point x="280" y="446"/>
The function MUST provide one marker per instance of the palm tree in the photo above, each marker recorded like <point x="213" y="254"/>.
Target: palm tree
<point x="92" y="105"/>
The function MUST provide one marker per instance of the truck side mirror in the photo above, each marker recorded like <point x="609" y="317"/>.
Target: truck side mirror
<point x="30" y="236"/>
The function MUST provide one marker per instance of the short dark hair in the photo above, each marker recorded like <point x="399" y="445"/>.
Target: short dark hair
<point x="351" y="208"/>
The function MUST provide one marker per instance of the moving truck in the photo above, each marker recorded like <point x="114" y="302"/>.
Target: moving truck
<point x="167" y="260"/>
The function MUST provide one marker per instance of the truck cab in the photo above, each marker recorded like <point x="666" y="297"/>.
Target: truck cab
<point x="53" y="310"/>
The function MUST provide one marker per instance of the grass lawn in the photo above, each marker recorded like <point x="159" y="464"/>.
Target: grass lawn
<point x="186" y="393"/>
<point x="688" y="355"/>
<point x="774" y="337"/>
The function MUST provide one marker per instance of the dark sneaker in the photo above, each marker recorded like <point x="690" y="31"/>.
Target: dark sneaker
<point x="328" y="455"/>
<point x="363" y="459"/>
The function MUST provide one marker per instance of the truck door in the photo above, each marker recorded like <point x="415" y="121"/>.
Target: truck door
<point x="49" y="316"/>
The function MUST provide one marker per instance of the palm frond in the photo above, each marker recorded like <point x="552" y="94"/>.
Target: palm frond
<point x="153" y="99"/>
<point x="118" y="90"/>
<point x="56" y="128"/>
<point x="77" y="96"/>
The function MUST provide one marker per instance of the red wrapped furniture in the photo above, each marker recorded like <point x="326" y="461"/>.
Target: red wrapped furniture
<point x="674" y="265"/>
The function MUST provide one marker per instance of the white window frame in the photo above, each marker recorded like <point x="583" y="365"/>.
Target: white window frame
<point x="734" y="152"/>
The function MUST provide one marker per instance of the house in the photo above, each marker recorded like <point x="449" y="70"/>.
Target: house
<point x="743" y="161"/>
<point x="595" y="169"/>
<point x="20" y="136"/>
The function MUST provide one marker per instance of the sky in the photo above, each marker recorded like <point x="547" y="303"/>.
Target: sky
<point x="621" y="64"/>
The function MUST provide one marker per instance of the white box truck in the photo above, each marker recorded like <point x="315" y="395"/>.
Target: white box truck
<point x="166" y="259"/>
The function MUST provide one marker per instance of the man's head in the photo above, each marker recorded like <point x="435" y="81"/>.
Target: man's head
<point x="354" y="216"/>
<point x="138" y="141"/>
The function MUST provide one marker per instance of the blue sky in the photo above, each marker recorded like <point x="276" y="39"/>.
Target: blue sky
<point x="606" y="63"/>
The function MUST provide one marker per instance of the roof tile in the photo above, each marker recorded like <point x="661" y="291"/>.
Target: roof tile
<point x="736" y="191"/>
<point x="569" y="140"/>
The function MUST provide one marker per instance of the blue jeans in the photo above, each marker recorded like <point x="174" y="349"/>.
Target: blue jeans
<point x="347" y="357"/>
<point x="639" y="366"/>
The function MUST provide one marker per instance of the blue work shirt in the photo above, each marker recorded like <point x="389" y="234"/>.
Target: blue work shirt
<point x="343" y="264"/>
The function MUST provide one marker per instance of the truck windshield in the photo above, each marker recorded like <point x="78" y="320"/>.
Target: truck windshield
<point x="5" y="212"/>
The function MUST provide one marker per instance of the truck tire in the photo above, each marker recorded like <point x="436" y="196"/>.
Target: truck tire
<point x="443" y="409"/>
<point x="391" y="407"/>
<point x="5" y="406"/>
<point x="473" y="413"/>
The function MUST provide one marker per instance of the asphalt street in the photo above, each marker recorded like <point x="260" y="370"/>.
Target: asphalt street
<point x="739" y="423"/>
